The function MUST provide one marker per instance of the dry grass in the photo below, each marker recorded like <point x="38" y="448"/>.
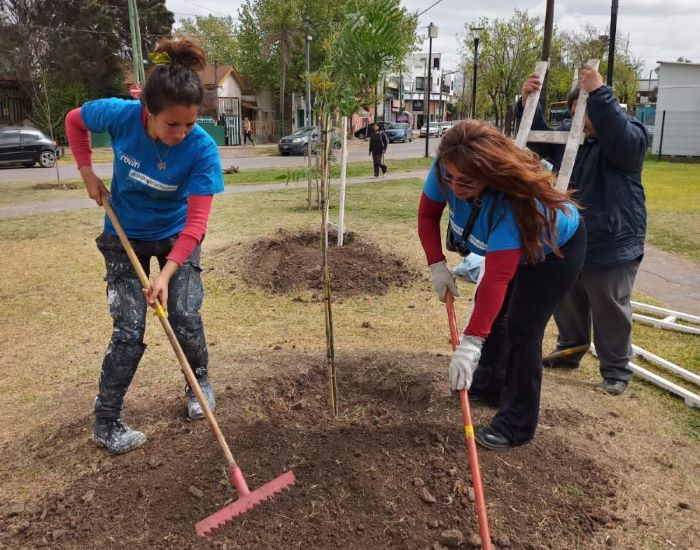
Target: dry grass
<point x="56" y="327"/>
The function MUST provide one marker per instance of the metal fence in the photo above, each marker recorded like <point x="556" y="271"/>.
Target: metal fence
<point x="677" y="133"/>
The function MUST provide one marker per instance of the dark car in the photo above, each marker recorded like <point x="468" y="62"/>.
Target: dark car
<point x="398" y="131"/>
<point x="364" y="132"/>
<point x="26" y="146"/>
<point x="297" y="143"/>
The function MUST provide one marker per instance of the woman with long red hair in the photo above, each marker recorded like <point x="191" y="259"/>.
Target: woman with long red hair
<point x="502" y="205"/>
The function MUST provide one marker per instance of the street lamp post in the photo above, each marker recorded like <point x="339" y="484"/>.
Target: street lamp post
<point x="476" y="64"/>
<point x="432" y="33"/>
<point x="611" y="43"/>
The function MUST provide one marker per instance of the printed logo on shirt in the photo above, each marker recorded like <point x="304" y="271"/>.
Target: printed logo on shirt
<point x="472" y="239"/>
<point x="150" y="182"/>
<point x="131" y="162"/>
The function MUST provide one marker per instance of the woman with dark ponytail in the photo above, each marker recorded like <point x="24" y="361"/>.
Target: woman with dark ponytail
<point x="502" y="206"/>
<point x="166" y="172"/>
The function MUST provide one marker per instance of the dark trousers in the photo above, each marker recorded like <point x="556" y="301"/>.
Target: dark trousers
<point x="510" y="369"/>
<point x="127" y="306"/>
<point x="601" y="298"/>
<point x="377" y="160"/>
<point x="248" y="135"/>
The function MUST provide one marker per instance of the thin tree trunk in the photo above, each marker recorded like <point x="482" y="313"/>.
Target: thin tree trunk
<point x="325" y="194"/>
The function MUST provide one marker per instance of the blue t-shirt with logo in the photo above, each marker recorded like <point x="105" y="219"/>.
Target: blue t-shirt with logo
<point x="495" y="227"/>
<point x="152" y="204"/>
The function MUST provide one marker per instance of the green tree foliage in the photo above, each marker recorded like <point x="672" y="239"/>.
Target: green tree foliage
<point x="510" y="48"/>
<point x="216" y="34"/>
<point x="508" y="52"/>
<point x="55" y="48"/>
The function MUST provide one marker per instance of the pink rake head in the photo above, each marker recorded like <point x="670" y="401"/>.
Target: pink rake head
<point x="246" y="500"/>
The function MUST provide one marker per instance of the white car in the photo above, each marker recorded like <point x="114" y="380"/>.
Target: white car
<point x="444" y="126"/>
<point x="434" y="129"/>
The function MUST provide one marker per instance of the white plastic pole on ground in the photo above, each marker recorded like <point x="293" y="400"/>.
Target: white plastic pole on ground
<point x="666" y="364"/>
<point x="689" y="398"/>
<point x="343" y="174"/>
<point x="666" y="312"/>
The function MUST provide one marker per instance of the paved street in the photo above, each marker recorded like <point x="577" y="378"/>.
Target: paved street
<point x="358" y="151"/>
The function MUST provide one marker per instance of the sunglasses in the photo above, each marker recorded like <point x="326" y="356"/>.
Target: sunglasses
<point x="466" y="183"/>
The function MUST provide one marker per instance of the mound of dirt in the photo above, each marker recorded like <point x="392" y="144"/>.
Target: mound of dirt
<point x="390" y="472"/>
<point x="59" y="186"/>
<point x="292" y="261"/>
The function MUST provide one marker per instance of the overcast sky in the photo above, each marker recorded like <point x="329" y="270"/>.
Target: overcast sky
<point x="657" y="29"/>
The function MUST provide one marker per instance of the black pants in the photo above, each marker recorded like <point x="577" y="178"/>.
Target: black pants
<point x="127" y="306"/>
<point x="510" y="369"/>
<point x="248" y="135"/>
<point x="377" y="159"/>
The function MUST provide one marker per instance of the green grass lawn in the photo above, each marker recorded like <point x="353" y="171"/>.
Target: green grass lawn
<point x="673" y="204"/>
<point x="298" y="173"/>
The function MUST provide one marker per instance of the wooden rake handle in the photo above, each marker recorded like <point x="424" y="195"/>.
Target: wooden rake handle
<point x="160" y="312"/>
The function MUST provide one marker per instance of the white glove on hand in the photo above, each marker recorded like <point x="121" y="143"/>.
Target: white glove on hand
<point x="442" y="279"/>
<point x="464" y="361"/>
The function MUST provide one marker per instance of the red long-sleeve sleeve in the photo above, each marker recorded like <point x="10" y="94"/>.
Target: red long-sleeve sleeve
<point x="500" y="268"/>
<point x="198" y="210"/>
<point x="429" y="215"/>
<point x="78" y="138"/>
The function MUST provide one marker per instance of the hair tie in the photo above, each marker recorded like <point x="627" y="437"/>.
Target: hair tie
<point x="159" y="58"/>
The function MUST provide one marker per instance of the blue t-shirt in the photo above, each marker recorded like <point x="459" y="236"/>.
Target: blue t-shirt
<point x="152" y="204"/>
<point x="495" y="227"/>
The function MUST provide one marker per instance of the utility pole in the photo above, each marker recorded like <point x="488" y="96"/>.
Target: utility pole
<point x="476" y="65"/>
<point x="309" y="118"/>
<point x="611" y="42"/>
<point x="464" y="86"/>
<point x="442" y="77"/>
<point x="136" y="53"/>
<point x="546" y="50"/>
<point x="432" y="33"/>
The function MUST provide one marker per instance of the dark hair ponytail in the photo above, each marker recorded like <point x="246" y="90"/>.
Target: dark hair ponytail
<point x="175" y="82"/>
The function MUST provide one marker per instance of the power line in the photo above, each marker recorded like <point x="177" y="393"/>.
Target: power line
<point x="431" y="6"/>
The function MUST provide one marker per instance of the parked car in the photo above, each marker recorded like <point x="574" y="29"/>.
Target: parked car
<point x="444" y="126"/>
<point x="365" y="131"/>
<point x="27" y="146"/>
<point x="297" y="143"/>
<point x="398" y="131"/>
<point x="434" y="129"/>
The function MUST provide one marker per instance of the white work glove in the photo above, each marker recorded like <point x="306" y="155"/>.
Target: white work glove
<point x="464" y="361"/>
<point x="443" y="280"/>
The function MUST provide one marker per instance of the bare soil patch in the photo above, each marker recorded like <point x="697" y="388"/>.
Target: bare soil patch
<point x="290" y="261"/>
<point x="69" y="186"/>
<point x="390" y="472"/>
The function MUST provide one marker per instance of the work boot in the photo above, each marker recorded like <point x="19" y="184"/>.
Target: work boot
<point x="611" y="386"/>
<point x="114" y="435"/>
<point x="194" y="409"/>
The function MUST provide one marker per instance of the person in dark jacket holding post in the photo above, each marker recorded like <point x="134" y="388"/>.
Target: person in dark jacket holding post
<point x="378" y="142"/>
<point x="608" y="184"/>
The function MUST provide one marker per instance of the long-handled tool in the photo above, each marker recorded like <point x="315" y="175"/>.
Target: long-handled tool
<point x="583" y="348"/>
<point x="469" y="435"/>
<point x="247" y="499"/>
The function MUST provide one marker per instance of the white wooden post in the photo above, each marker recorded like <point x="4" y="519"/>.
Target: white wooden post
<point x="343" y="174"/>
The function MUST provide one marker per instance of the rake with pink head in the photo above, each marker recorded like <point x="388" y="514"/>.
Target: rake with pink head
<point x="247" y="499"/>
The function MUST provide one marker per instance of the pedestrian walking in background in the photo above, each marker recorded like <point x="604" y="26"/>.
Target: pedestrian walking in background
<point x="502" y="205"/>
<point x="247" y="131"/>
<point x="607" y="180"/>
<point x="166" y="172"/>
<point x="378" y="142"/>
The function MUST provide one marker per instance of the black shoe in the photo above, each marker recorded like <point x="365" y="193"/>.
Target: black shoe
<point x="116" y="436"/>
<point x="194" y="409"/>
<point x="611" y="386"/>
<point x="489" y="438"/>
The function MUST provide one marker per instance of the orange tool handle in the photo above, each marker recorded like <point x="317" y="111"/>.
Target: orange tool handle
<point x="469" y="435"/>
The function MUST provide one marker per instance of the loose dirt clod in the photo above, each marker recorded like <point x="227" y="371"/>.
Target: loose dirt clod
<point x="451" y="538"/>
<point x="426" y="496"/>
<point x="15" y="509"/>
<point x="291" y="261"/>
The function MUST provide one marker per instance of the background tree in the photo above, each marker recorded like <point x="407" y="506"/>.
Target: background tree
<point x="62" y="53"/>
<point x="216" y="34"/>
